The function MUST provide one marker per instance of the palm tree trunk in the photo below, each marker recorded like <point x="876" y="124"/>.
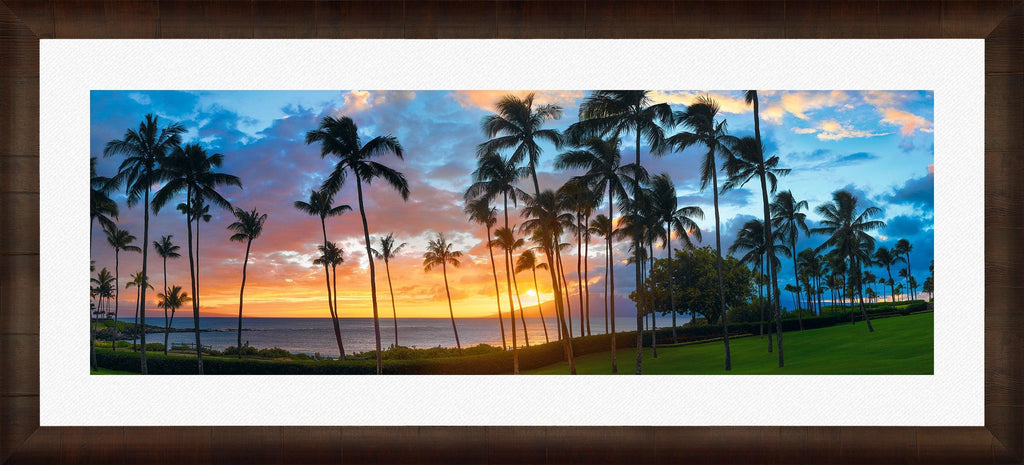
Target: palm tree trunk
<point x="860" y="291"/>
<point x="135" y="323"/>
<point x="540" y="312"/>
<point x="586" y="265"/>
<point x="241" y="293"/>
<point x="192" y="272"/>
<point x="565" y="286"/>
<point x="497" y="294"/>
<point x="579" y="275"/>
<point x="145" y="278"/>
<point x="451" y="313"/>
<point x="671" y="286"/>
<point x="167" y="322"/>
<point x="331" y="307"/>
<point x="394" y="313"/>
<point x="654" y="322"/>
<point x="117" y="298"/>
<point x="770" y="246"/>
<point x="639" y="307"/>
<point x="511" y="307"/>
<point x="610" y="282"/>
<point x="718" y="264"/>
<point x="549" y="255"/>
<point x="519" y="300"/>
<point x="373" y="278"/>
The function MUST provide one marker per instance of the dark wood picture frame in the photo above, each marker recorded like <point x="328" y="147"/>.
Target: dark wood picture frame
<point x="24" y="22"/>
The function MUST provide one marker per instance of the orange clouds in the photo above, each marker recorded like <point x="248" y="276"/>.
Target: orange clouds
<point x="907" y="122"/>
<point x="485" y="99"/>
<point x="833" y="130"/>
<point x="799" y="104"/>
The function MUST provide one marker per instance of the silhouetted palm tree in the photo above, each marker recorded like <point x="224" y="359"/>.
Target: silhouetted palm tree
<point x="173" y="299"/>
<point x="190" y="170"/>
<point x="340" y="137"/>
<point x="507" y="240"/>
<point x="166" y="249"/>
<point x="142" y="151"/>
<point x="701" y="128"/>
<point x="580" y="201"/>
<point x="667" y="210"/>
<point x="848" y="229"/>
<point x="887" y="258"/>
<point x="601" y="226"/>
<point x="528" y="260"/>
<point x="119" y="239"/>
<point x="248" y="227"/>
<point x="903" y="248"/>
<point x="617" y="112"/>
<point x="101" y="207"/>
<point x="604" y="172"/>
<point x="139" y="281"/>
<point x="388" y="250"/>
<point x="103" y="289"/>
<point x="788" y="219"/>
<point x="481" y="212"/>
<point x="748" y="161"/>
<point x="440" y="253"/>
<point x="518" y="127"/>
<point x="331" y="256"/>
<point x="634" y="224"/>
<point x="810" y="265"/>
<point x="320" y="204"/>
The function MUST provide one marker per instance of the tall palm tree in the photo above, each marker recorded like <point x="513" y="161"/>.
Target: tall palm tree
<point x="440" y="253"/>
<point x="601" y="226"/>
<point x="518" y="127"/>
<point x="320" y="204"/>
<point x="580" y="202"/>
<point x="617" y="112"/>
<point x="788" y="219"/>
<point x="247" y="227"/>
<point x="340" y="137"/>
<point x="634" y="224"/>
<point x="142" y="151"/>
<point x="528" y="260"/>
<point x="481" y="212"/>
<point x="701" y="128"/>
<point x="190" y="170"/>
<point x="810" y="264"/>
<point x="173" y="299"/>
<point x="847" y="229"/>
<point x="389" y="250"/>
<point x="903" y="248"/>
<point x="887" y="258"/>
<point x="748" y="161"/>
<point x="166" y="249"/>
<point x="104" y="285"/>
<point x="120" y="240"/>
<point x="682" y="219"/>
<point x="602" y="161"/>
<point x="330" y="257"/>
<point x="139" y="281"/>
<point x="506" y="239"/>
<point x="545" y="215"/>
<point x="101" y="207"/>
<point x="751" y="238"/>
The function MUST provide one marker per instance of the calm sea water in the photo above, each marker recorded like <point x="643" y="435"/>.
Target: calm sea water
<point x="310" y="335"/>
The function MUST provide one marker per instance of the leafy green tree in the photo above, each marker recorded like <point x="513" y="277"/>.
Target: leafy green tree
<point x="695" y="283"/>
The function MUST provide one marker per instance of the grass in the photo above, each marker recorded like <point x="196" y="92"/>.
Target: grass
<point x="899" y="345"/>
<point x="104" y="371"/>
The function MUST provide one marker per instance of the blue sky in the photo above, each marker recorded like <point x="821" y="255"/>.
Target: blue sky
<point x="877" y="144"/>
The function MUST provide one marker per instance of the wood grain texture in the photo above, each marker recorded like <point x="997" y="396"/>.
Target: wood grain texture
<point x="23" y="22"/>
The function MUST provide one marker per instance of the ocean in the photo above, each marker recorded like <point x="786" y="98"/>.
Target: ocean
<point x="312" y="335"/>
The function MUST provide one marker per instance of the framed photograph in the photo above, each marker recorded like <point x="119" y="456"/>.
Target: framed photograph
<point x="867" y="126"/>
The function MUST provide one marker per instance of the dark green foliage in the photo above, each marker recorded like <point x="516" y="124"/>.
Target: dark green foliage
<point x="695" y="279"/>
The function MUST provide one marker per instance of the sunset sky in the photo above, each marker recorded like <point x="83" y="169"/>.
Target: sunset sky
<point x="877" y="144"/>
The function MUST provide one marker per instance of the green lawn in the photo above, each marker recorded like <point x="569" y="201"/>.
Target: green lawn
<point x="899" y="345"/>
<point x="104" y="371"/>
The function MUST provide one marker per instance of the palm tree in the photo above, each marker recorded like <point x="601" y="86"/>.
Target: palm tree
<point x="320" y="204"/>
<point x="747" y="163"/>
<point x="166" y="249"/>
<point x="104" y="285"/>
<point x="142" y="151"/>
<point x="389" y="250"/>
<point x="667" y="210"/>
<point x="601" y="226"/>
<point x="602" y="160"/>
<point x="505" y="239"/>
<point x="848" y="229"/>
<point x="340" y="137"/>
<point x="139" y="281"/>
<point x="189" y="169"/>
<point x="101" y="207"/>
<point x="751" y="238"/>
<point x="887" y="258"/>
<point x="545" y="215"/>
<point x="495" y="177"/>
<point x="120" y="240"/>
<point x="248" y="227"/>
<point x="616" y="112"/>
<point x="440" y="253"/>
<point x="529" y="260"/>
<point x="869" y="279"/>
<point x="173" y="299"/>
<point x="810" y="264"/>
<point x="481" y="212"/>
<point x="788" y="219"/>
<point x="580" y="202"/>
<point x="903" y="248"/>
<point x="518" y="127"/>
<point x="701" y="128"/>
<point x="635" y="224"/>
<point x="330" y="257"/>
